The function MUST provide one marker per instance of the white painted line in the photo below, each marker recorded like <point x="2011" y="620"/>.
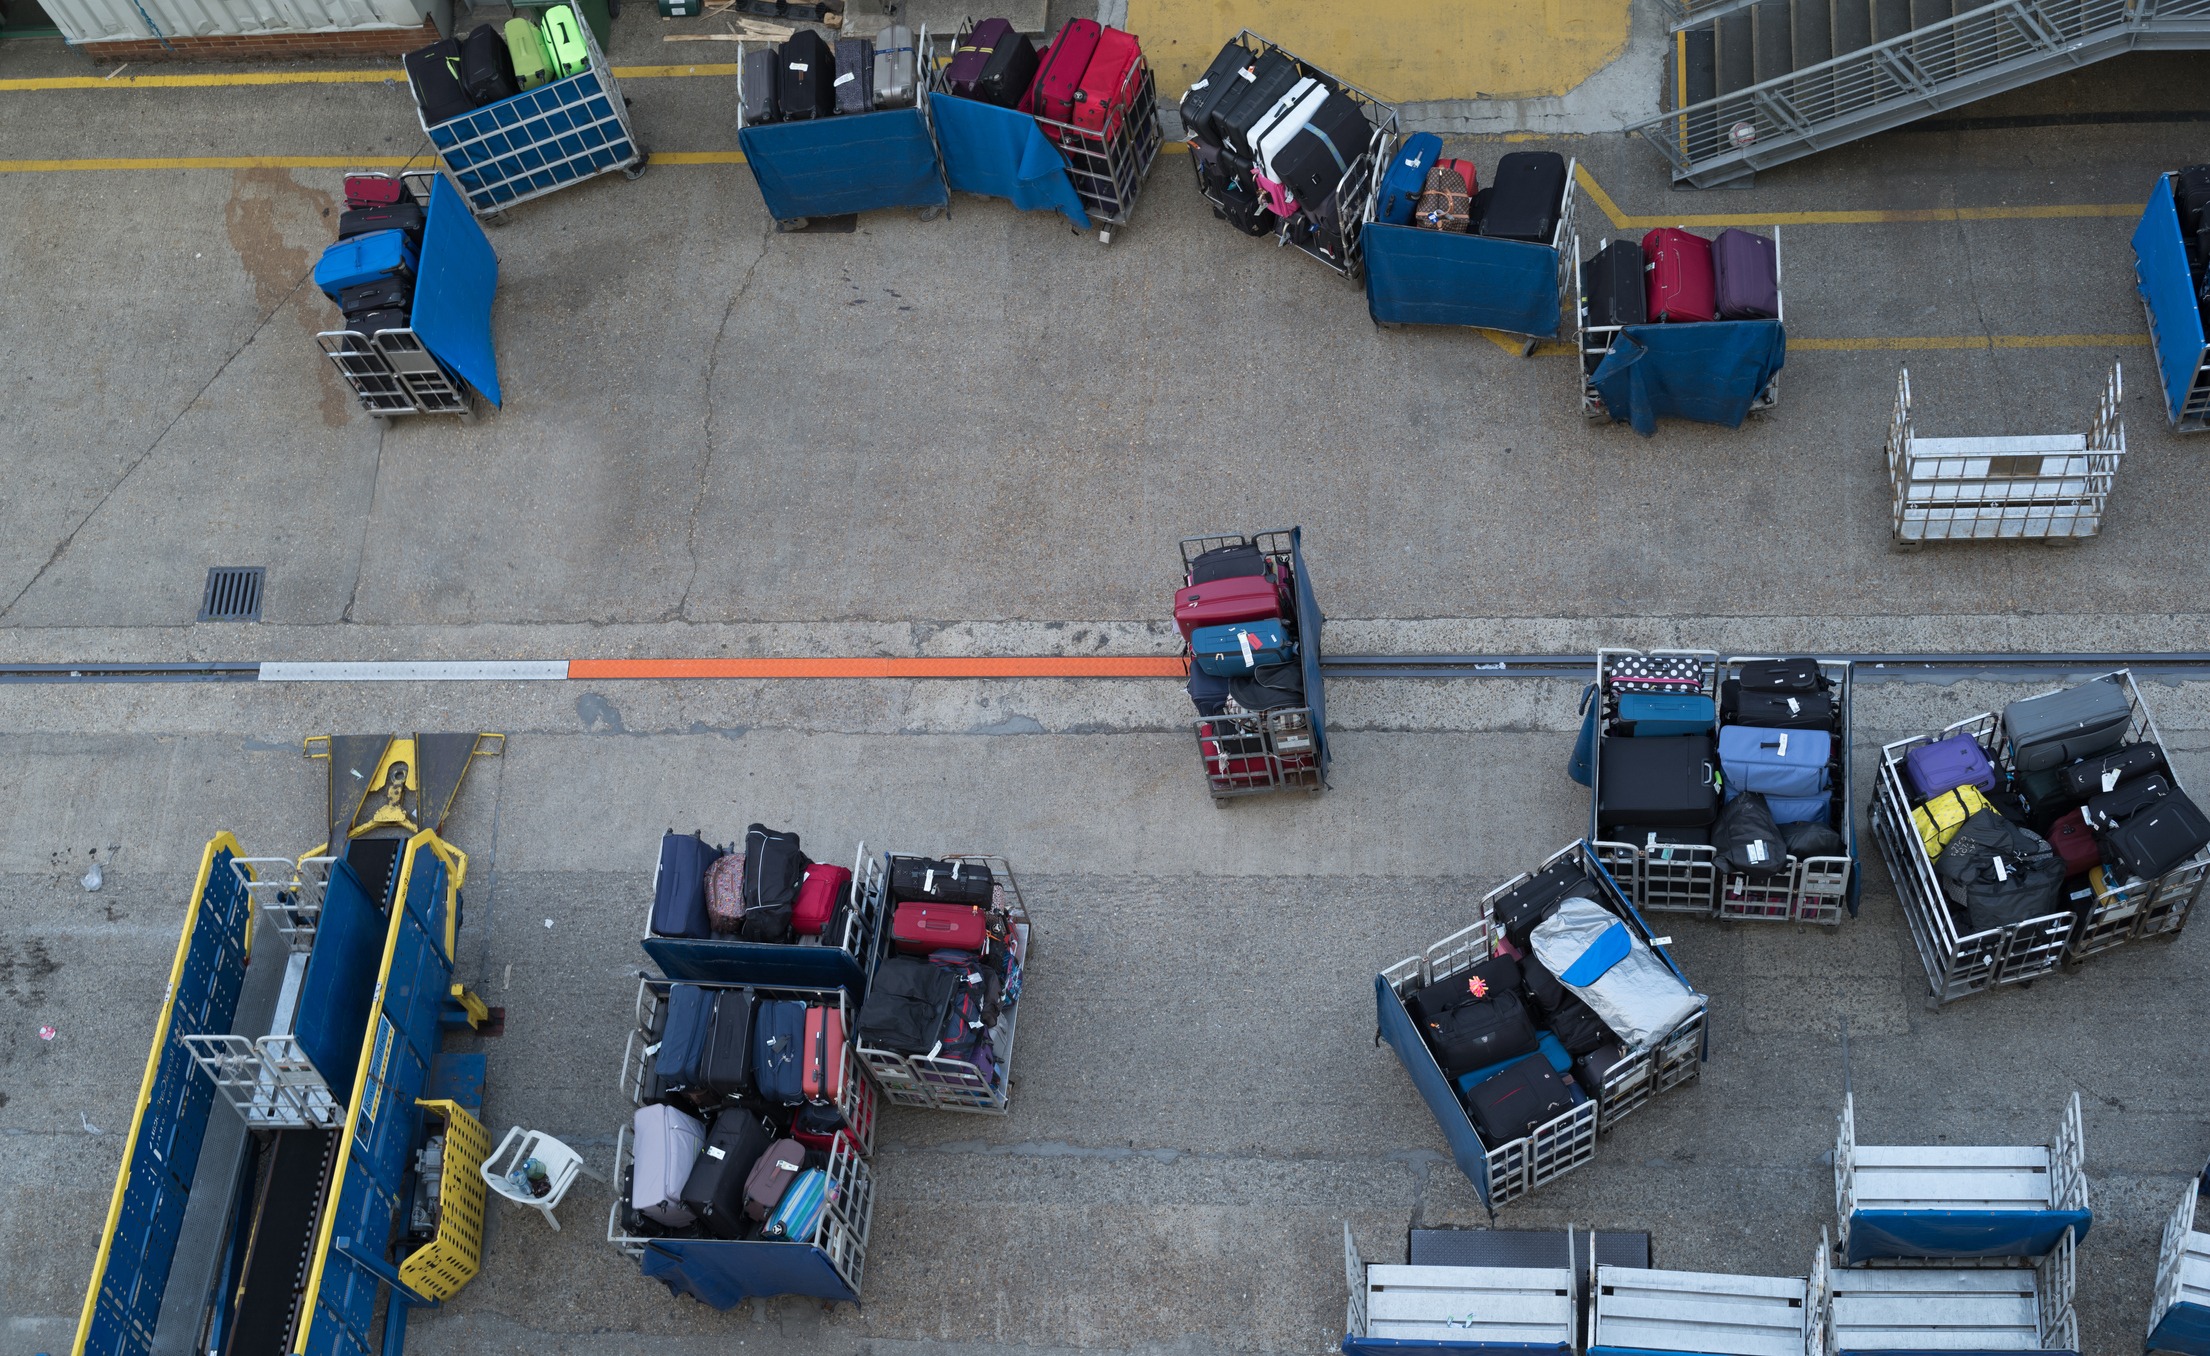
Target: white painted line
<point x="494" y="670"/>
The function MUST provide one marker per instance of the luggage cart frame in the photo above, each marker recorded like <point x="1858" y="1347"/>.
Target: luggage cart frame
<point x="1592" y="342"/>
<point x="847" y="963"/>
<point x="1814" y="889"/>
<point x="932" y="1081"/>
<point x="2187" y="410"/>
<point x="2003" y="488"/>
<point x="1964" y="1308"/>
<point x="2179" y="1316"/>
<point x="540" y="140"/>
<point x="923" y="74"/>
<point x="1353" y="192"/>
<point x="390" y="371"/>
<point x="1250" y="753"/>
<point x="1648" y="1311"/>
<point x="1524" y="1310"/>
<point x="1659" y="877"/>
<point x="1958" y="1191"/>
<point x="1506" y="1172"/>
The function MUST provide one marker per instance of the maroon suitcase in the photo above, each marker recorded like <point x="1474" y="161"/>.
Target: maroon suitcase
<point x="1060" y="74"/>
<point x="972" y="57"/>
<point x="1223" y="602"/>
<point x="1681" y="283"/>
<point x="1746" y="274"/>
<point x="917" y="928"/>
<point x="2076" y="844"/>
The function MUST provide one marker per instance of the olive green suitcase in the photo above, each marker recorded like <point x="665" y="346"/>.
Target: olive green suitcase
<point x="525" y="46"/>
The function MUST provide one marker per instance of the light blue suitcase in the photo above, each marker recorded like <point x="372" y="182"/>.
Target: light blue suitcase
<point x="1787" y="763"/>
<point x="799" y="1211"/>
<point x="1801" y="809"/>
<point x="1665" y="713"/>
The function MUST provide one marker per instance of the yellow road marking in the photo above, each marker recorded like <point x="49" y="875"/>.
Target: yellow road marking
<point x="649" y="72"/>
<point x="698" y="157"/>
<point x="392" y="73"/>
<point x="1622" y="221"/>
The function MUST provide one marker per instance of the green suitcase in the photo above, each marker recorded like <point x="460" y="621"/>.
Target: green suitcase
<point x="525" y="46"/>
<point x="564" y="42"/>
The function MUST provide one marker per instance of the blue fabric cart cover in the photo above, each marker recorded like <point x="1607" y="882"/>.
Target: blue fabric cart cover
<point x="1309" y="625"/>
<point x="1392" y="1346"/>
<point x="340" y="983"/>
<point x="2175" y="319"/>
<point x="1710" y="372"/>
<point x="2185" y="1328"/>
<point x="1961" y="1233"/>
<point x="726" y="1272"/>
<point x="453" y="291"/>
<point x="726" y="960"/>
<point x="1416" y="277"/>
<point x="830" y="166"/>
<point x="1001" y="153"/>
<point x="1395" y="1025"/>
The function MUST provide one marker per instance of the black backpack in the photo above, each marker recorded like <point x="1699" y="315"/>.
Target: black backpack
<point x="773" y="867"/>
<point x="1749" y="842"/>
<point x="434" y="75"/>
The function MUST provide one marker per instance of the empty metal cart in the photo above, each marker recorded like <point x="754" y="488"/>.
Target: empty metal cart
<point x="2180" y="1318"/>
<point x="2045" y="487"/>
<point x="1639" y="1312"/>
<point x="1959" y="1203"/>
<point x="1527" y="1310"/>
<point x="1660" y="877"/>
<point x="2019" y="1307"/>
<point x="1248" y="753"/>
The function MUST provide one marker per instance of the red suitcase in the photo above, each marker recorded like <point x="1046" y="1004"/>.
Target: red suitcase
<point x="1107" y="89"/>
<point x="1223" y="602"/>
<point x="1682" y="285"/>
<point x="372" y="190"/>
<point x="822" y="1055"/>
<point x="818" y="893"/>
<point x="918" y="928"/>
<point x="1059" y="73"/>
<point x="2076" y="844"/>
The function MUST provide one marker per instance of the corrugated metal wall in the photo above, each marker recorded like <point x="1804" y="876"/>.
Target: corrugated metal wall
<point x="98" y="20"/>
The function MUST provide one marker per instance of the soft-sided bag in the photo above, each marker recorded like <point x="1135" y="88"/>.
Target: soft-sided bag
<point x="799" y="1213"/>
<point x="819" y="893"/>
<point x="725" y="894"/>
<point x="1746" y="270"/>
<point x="1513" y="1102"/>
<point x="805" y="76"/>
<point x="714" y="1191"/>
<point x="822" y="1055"/>
<point x="2112" y="808"/>
<point x="2065" y="726"/>
<point x="664" y="1145"/>
<point x="1059" y="70"/>
<point x="399" y="216"/>
<point x="1006" y="65"/>
<point x="679" y="1057"/>
<point x="819" y="1125"/>
<point x="772" y="1173"/>
<point x="2075" y="843"/>
<point x="1594" y="953"/>
<point x="773" y="867"/>
<point x="2160" y="838"/>
<point x="2000" y="874"/>
<point x="1681" y="284"/>
<point x="1774" y="762"/>
<point x="1784" y="710"/>
<point x="1278" y="687"/>
<point x="1577" y="1026"/>
<point x="1242" y="561"/>
<point x="364" y="259"/>
<point x="1406" y="177"/>
<point x="1101" y="100"/>
<point x="679" y="885"/>
<point x="1749" y="842"/>
<point x="725" y="1068"/>
<point x="1655" y="673"/>
<point x="1941" y="816"/>
<point x="940" y="882"/>
<point x="1782" y="675"/>
<point x="758" y="85"/>
<point x="1230" y="651"/>
<point x="486" y="71"/>
<point x="1209" y="693"/>
<point x="1812" y="838"/>
<point x="1487" y="1031"/>
<point x="1946" y="763"/>
<point x="1591" y="1069"/>
<point x="1786" y="810"/>
<point x="1650" y="714"/>
<point x="525" y="53"/>
<point x="433" y="73"/>
<point x="778" y="1059"/>
<point x="1446" y="203"/>
<point x="1612" y="283"/>
<point x="1545" y="995"/>
<point x="1497" y="974"/>
<point x="905" y="1005"/>
<point x="1530" y="192"/>
<point x="2094" y="776"/>
<point x="381" y="295"/>
<point x="1535" y="899"/>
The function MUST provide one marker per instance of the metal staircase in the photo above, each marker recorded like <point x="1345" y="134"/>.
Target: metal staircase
<point x="1758" y="83"/>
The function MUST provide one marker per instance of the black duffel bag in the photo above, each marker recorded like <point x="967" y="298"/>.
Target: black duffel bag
<point x="1749" y="842"/>
<point x="940" y="882"/>
<point x="1999" y="873"/>
<point x="905" y="1005"/>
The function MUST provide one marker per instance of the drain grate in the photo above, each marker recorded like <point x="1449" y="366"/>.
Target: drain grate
<point x="233" y="594"/>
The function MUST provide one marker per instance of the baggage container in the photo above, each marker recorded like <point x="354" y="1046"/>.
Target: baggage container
<point x="390" y="370"/>
<point x="2045" y="487"/>
<point x="1699" y="1313"/>
<point x="1952" y="1204"/>
<point x="1985" y="1309"/>
<point x="1655" y="875"/>
<point x="1519" y="1305"/>
<point x="2179" y="1318"/>
<point x="1598" y="319"/>
<point x="1283" y="748"/>
<point x="843" y="960"/>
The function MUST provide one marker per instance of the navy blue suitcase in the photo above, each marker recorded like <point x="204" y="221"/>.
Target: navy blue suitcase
<point x="778" y="1038"/>
<point x="679" y="886"/>
<point x="683" y="1036"/>
<point x="1406" y="176"/>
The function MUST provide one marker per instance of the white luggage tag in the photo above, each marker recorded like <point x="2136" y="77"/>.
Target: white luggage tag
<point x="715" y="1151"/>
<point x="847" y="78"/>
<point x="786" y="1165"/>
<point x="2110" y="780"/>
<point x="1243" y="638"/>
<point x="1758" y="853"/>
<point x="1795" y="708"/>
<point x="800" y="67"/>
<point x="1199" y="85"/>
<point x="928" y="881"/>
<point x="1784" y="744"/>
<point x="2001" y="872"/>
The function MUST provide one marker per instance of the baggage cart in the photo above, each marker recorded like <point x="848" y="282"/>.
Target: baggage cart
<point x="1813" y="889"/>
<point x="1646" y="1312"/>
<point x="1527" y="1306"/>
<point x="938" y="1083"/>
<point x="2179" y="1319"/>
<point x="1659" y="877"/>
<point x="852" y="162"/>
<point x="399" y="371"/>
<point x="540" y="140"/>
<point x="845" y="961"/>
<point x="2050" y="488"/>
<point x="1592" y="342"/>
<point x="2018" y="1307"/>
<point x="1505" y="1172"/>
<point x="1334" y="240"/>
<point x="2172" y="303"/>
<point x="1959" y="1205"/>
<point x="1249" y="753"/>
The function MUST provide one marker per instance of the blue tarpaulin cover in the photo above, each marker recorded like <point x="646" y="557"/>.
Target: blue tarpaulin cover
<point x="1877" y="1234"/>
<point x="1309" y="625"/>
<point x="2185" y="1328"/>
<point x="1710" y="372"/>
<point x="727" y="960"/>
<point x="1001" y="153"/>
<point x="453" y="289"/>
<point x="1395" y="1025"/>
<point x="826" y="167"/>
<point x="2175" y="319"/>
<point x="340" y="984"/>
<point x="1416" y="277"/>
<point x="726" y="1272"/>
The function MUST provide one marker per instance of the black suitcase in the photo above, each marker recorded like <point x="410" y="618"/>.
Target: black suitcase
<point x="805" y="75"/>
<point x="1497" y="974"/>
<point x="2093" y="776"/>
<point x="1665" y="781"/>
<point x="940" y="882"/>
<point x="486" y="68"/>
<point x="2191" y="193"/>
<point x="433" y="73"/>
<point x="1530" y="186"/>
<point x="1777" y="710"/>
<point x="855" y="75"/>
<point x="726" y="1066"/>
<point x="1783" y="675"/>
<point x="1234" y="116"/>
<point x="1230" y="562"/>
<point x="1536" y="899"/>
<point x="375" y="296"/>
<point x="1510" y="1104"/>
<point x="1474" y="1035"/>
<point x="1612" y="282"/>
<point x="715" y="1189"/>
<point x="1591" y="1069"/>
<point x="1009" y="72"/>
<point x="1211" y="90"/>
<point x="1243" y="209"/>
<point x="2159" y="838"/>
<point x="398" y="216"/>
<point x="1479" y="211"/>
<point x="2112" y="808"/>
<point x="1656" y="838"/>
<point x="759" y="84"/>
<point x="1577" y="1026"/>
<point x="369" y="322"/>
<point x="905" y="1007"/>
<point x="1322" y="151"/>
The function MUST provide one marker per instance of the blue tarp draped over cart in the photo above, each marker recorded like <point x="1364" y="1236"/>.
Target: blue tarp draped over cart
<point x="1416" y="277"/>
<point x="1710" y="372"/>
<point x="724" y="1273"/>
<point x="2168" y="289"/>
<point x="1309" y="625"/>
<point x="458" y="276"/>
<point x="1001" y="153"/>
<point x="857" y="163"/>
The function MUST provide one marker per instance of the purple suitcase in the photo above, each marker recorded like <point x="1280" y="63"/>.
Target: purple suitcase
<point x="1748" y="269"/>
<point x="971" y="56"/>
<point x="1947" y="764"/>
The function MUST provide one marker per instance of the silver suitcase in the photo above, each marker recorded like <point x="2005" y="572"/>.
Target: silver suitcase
<point x="2062" y="727"/>
<point x="667" y="1143"/>
<point x="894" y="67"/>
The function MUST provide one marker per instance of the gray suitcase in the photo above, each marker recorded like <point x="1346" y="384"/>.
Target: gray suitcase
<point x="664" y="1147"/>
<point x="855" y="75"/>
<point x="2064" y="727"/>
<point x="894" y="67"/>
<point x="757" y="82"/>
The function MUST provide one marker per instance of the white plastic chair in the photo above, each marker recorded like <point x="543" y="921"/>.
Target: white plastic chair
<point x="562" y="1166"/>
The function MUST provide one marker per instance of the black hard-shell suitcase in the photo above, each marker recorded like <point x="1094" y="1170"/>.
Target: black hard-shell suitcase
<point x="1530" y="186"/>
<point x="1509" y="1104"/>
<point x="679" y="886"/>
<point x="1322" y="151"/>
<point x="760" y="83"/>
<point x="726" y="1066"/>
<point x="1234" y="116"/>
<point x="805" y="72"/>
<point x="1009" y="72"/>
<point x="1536" y="899"/>
<point x="1211" y="90"/>
<point x="369" y="322"/>
<point x="855" y="75"/>
<point x="1669" y="780"/>
<point x="486" y="67"/>
<point x="2067" y="725"/>
<point x="2159" y="838"/>
<point x="399" y="216"/>
<point x="1612" y="282"/>
<point x="380" y="295"/>
<point x="715" y="1189"/>
<point x="2093" y="776"/>
<point x="434" y="75"/>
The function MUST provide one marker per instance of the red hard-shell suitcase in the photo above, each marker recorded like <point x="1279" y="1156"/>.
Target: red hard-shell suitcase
<point x="2076" y="844"/>
<point x="821" y="1058"/>
<point x="1059" y="73"/>
<point x="1102" y="100"/>
<point x="372" y="190"/>
<point x="1682" y="285"/>
<point x="1225" y="602"/>
<point x="818" y="893"/>
<point x="917" y="928"/>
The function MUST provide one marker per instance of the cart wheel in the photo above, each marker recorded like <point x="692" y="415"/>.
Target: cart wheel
<point x="2060" y="543"/>
<point x="1527" y="349"/>
<point x="932" y="212"/>
<point x="644" y="158"/>
<point x="794" y="224"/>
<point x="1218" y="215"/>
<point x="468" y="413"/>
<point x="495" y="219"/>
<point x="1933" y="1004"/>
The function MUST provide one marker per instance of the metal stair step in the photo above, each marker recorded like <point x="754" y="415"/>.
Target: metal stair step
<point x="1811" y="24"/>
<point x="1773" y="52"/>
<point x="1700" y="78"/>
<point x="1737" y="53"/>
<point x="1935" y="54"/>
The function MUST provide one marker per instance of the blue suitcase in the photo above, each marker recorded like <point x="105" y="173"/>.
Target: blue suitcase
<point x="1406" y="176"/>
<point x="1816" y="809"/>
<point x="1652" y="714"/>
<point x="1241" y="648"/>
<point x="682" y="1047"/>
<point x="800" y="1210"/>
<point x="364" y="259"/>
<point x="778" y="1040"/>
<point x="1787" y="763"/>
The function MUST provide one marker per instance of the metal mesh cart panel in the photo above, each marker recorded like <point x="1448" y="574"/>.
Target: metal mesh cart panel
<point x="1660" y="877"/>
<point x="2051" y="488"/>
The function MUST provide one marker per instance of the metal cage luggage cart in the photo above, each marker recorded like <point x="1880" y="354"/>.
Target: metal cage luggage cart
<point x="939" y="1083"/>
<point x="391" y="372"/>
<point x="845" y="961"/>
<point x="1505" y="1172"/>
<point x="2179" y="1318"/>
<point x="1591" y="342"/>
<point x="1249" y="753"/>
<point x="1660" y="877"/>
<point x="1818" y="890"/>
<point x="1646" y="1312"/>
<point x="1336" y="243"/>
<point x="1958" y="1205"/>
<point x="887" y="126"/>
<point x="1525" y="1309"/>
<point x="2051" y="488"/>
<point x="2171" y="300"/>
<point x="541" y="140"/>
<point x="2019" y="1306"/>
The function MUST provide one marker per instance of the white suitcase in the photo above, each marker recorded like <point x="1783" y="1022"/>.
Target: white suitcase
<point x="666" y="1145"/>
<point x="1283" y="121"/>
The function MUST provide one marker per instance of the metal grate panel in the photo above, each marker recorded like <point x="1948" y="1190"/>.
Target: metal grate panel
<point x="233" y="594"/>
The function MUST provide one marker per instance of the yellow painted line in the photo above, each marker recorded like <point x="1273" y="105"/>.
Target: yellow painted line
<point x="1624" y="222"/>
<point x="211" y="162"/>
<point x="1935" y="342"/>
<point x="698" y="157"/>
<point x="654" y="72"/>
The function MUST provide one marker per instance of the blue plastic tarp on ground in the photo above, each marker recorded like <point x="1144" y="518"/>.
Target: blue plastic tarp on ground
<point x="826" y="167"/>
<point x="1392" y="1346"/>
<point x="1416" y="277"/>
<point x="724" y="1273"/>
<point x="2175" y="318"/>
<point x="1710" y="372"/>
<point x="1880" y="1234"/>
<point x="452" y="293"/>
<point x="1001" y="153"/>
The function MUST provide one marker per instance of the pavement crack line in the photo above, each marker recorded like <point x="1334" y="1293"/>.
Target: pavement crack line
<point x="63" y="546"/>
<point x="360" y="553"/>
<point x="706" y="427"/>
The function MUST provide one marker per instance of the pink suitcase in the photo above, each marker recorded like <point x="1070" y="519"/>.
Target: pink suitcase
<point x="1059" y="74"/>
<point x="1682" y="286"/>
<point x="1107" y="88"/>
<point x="1223" y="602"/>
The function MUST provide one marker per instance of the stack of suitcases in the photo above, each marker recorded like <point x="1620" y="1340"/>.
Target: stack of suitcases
<point x="806" y="77"/>
<point x="458" y="75"/>
<point x="1422" y="188"/>
<point x="1676" y="276"/>
<point x="370" y="271"/>
<point x="767" y="890"/>
<point x="954" y="968"/>
<point x="1079" y="81"/>
<point x="1237" y="615"/>
<point x="1274" y="141"/>
<point x="1781" y="746"/>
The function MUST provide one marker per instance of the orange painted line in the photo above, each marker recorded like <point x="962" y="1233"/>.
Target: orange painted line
<point x="1031" y="666"/>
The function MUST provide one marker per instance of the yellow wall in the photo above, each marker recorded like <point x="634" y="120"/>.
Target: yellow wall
<point x="1403" y="51"/>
